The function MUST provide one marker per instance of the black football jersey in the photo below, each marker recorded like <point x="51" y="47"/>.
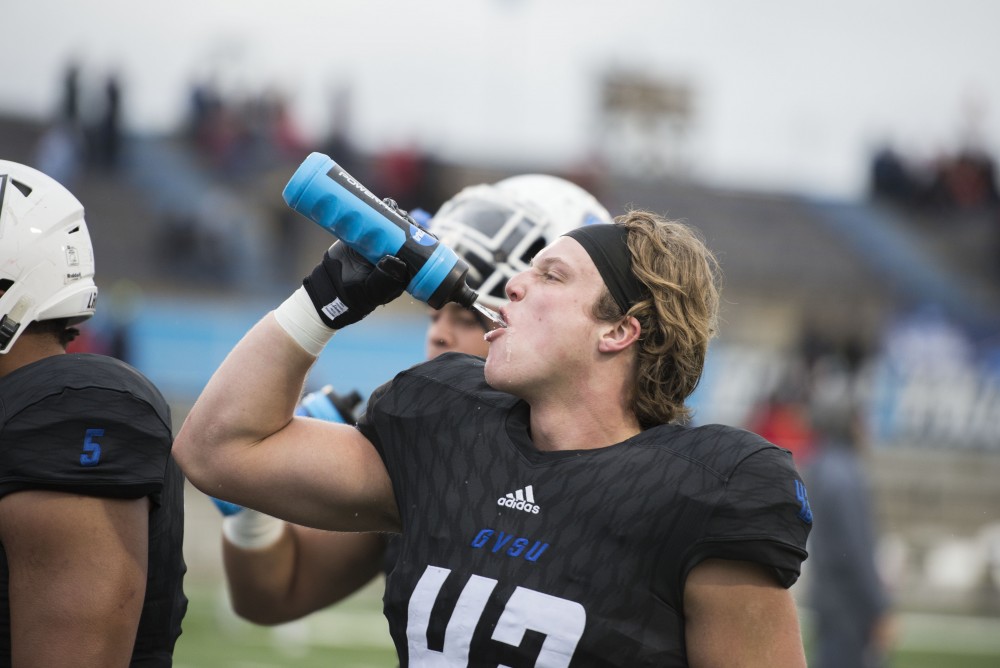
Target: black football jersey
<point x="517" y="557"/>
<point x="92" y="425"/>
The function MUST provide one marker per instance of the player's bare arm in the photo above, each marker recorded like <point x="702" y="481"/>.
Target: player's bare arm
<point x="241" y="443"/>
<point x="304" y="571"/>
<point x="77" y="577"/>
<point x="738" y="616"/>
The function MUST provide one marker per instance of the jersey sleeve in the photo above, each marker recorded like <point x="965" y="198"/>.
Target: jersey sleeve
<point x="367" y="422"/>
<point x="763" y="517"/>
<point x="94" y="441"/>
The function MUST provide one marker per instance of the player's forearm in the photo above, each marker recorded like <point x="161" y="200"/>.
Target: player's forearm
<point x="305" y="570"/>
<point x="250" y="397"/>
<point x="260" y="580"/>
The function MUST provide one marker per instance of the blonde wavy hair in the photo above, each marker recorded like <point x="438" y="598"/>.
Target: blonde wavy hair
<point x="679" y="318"/>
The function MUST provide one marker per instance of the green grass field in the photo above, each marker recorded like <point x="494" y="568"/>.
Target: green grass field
<point x="351" y="635"/>
<point x="354" y="635"/>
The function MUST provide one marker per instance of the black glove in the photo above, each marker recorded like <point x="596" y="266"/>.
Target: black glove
<point x="345" y="287"/>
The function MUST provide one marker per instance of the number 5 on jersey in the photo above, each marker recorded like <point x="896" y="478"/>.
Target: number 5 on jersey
<point x="560" y="620"/>
<point x="91" y="448"/>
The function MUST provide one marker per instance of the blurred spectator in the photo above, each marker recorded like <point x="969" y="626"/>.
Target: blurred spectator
<point x="961" y="182"/>
<point x="854" y="626"/>
<point x="965" y="182"/>
<point x="891" y="178"/>
<point x="410" y="176"/>
<point x="282" y="132"/>
<point x="397" y="175"/>
<point x="203" y="103"/>
<point x="782" y="420"/>
<point x="782" y="417"/>
<point x="59" y="150"/>
<point x="109" y="130"/>
<point x="70" y="106"/>
<point x="338" y="143"/>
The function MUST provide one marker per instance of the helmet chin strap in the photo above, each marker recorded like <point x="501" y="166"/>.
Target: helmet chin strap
<point x="11" y="322"/>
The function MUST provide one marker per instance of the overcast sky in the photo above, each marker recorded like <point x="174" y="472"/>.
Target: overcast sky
<point x="789" y="94"/>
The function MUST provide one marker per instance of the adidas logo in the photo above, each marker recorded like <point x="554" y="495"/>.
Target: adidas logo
<point x="522" y="499"/>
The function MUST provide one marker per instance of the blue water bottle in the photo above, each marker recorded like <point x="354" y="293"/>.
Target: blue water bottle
<point x="324" y="192"/>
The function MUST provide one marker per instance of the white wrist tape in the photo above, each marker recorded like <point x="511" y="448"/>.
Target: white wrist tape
<point x="252" y="530"/>
<point x="298" y="317"/>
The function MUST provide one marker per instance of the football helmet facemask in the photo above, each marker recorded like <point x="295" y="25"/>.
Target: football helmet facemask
<point x="497" y="229"/>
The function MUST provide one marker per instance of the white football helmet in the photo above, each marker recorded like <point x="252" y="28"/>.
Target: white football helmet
<point x="498" y="228"/>
<point x="46" y="257"/>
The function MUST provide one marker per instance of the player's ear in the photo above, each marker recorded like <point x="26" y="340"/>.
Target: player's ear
<point x="620" y="335"/>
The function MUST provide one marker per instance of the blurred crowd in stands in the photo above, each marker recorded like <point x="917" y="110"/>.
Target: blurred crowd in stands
<point x="86" y="130"/>
<point x="250" y="141"/>
<point x="238" y="137"/>
<point x="962" y="181"/>
<point x="955" y="198"/>
<point x="241" y="135"/>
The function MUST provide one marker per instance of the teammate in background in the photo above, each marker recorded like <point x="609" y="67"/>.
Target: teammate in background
<point x="853" y="617"/>
<point x="91" y="505"/>
<point x="278" y="572"/>
<point x="628" y="539"/>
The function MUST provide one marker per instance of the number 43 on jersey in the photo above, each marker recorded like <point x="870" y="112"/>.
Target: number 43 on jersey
<point x="560" y="620"/>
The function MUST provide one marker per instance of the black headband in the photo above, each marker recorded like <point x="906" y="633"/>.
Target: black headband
<point x="607" y="245"/>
